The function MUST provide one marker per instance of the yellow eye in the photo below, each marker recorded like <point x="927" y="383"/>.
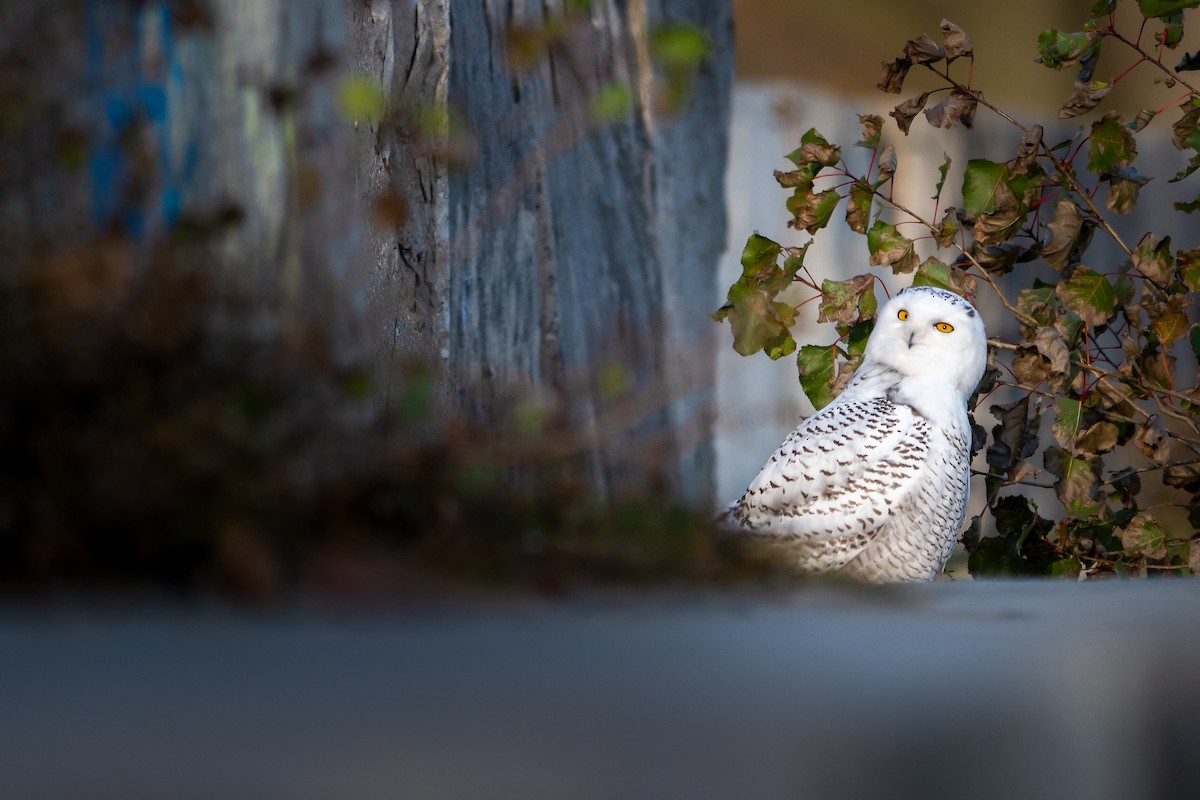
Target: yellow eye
<point x="903" y="315"/>
<point x="944" y="327"/>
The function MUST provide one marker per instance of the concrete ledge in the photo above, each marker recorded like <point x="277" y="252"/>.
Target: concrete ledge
<point x="969" y="689"/>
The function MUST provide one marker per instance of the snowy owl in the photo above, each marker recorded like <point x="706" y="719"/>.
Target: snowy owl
<point x="875" y="484"/>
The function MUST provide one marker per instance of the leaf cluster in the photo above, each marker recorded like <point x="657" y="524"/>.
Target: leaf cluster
<point x="1086" y="400"/>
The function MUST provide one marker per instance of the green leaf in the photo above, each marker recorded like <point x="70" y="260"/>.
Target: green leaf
<point x="785" y="277"/>
<point x="1089" y="295"/>
<point x="1172" y="33"/>
<point x="1067" y="422"/>
<point x="856" y="338"/>
<point x="1194" y="341"/>
<point x="1110" y="145"/>
<point x="934" y="272"/>
<point x="982" y="180"/>
<point x="816" y="366"/>
<point x="1187" y="266"/>
<point x="942" y="170"/>
<point x="1184" y="133"/>
<point x="1008" y="212"/>
<point x="890" y="248"/>
<point x="756" y="322"/>
<point x="783" y="344"/>
<point x="1103" y="8"/>
<point x="1078" y="484"/>
<point x="759" y="256"/>
<point x="1152" y="9"/>
<point x="1057" y="49"/>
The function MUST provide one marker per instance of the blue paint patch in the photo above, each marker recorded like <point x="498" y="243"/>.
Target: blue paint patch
<point x="123" y="96"/>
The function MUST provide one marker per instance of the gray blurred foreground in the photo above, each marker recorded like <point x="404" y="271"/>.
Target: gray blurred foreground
<point x="999" y="690"/>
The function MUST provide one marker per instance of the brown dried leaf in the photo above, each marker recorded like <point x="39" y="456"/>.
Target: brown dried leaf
<point x="923" y="50"/>
<point x="958" y="107"/>
<point x="1085" y="97"/>
<point x="1069" y="236"/>
<point x="1168" y="315"/>
<point x="1151" y="439"/>
<point x="1144" y="535"/>
<point x="1026" y="160"/>
<point x="886" y="165"/>
<point x="1124" y="189"/>
<point x="957" y="44"/>
<point x="999" y="226"/>
<point x="1078" y="484"/>
<point x="1153" y="259"/>
<point x="891" y="78"/>
<point x="1030" y="366"/>
<point x="1015" y="436"/>
<point x="1099" y="438"/>
<point x="906" y="111"/>
<point x="948" y="229"/>
<point x="1183" y="476"/>
<point x="1050" y="344"/>
<point x="872" y="126"/>
<point x="840" y="299"/>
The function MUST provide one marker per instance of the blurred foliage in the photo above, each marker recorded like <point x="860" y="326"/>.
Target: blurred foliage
<point x="166" y="423"/>
<point x="1097" y="355"/>
<point x="158" y="429"/>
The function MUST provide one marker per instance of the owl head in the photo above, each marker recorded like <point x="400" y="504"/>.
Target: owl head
<point x="933" y="333"/>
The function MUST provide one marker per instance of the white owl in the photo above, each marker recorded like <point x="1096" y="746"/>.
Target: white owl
<point x="875" y="484"/>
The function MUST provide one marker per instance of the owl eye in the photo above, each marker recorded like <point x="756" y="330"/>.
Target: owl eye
<point x="944" y="327"/>
<point x="903" y="315"/>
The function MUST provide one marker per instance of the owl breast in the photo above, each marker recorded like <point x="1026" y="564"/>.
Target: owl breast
<point x="868" y="487"/>
<point x="916" y="541"/>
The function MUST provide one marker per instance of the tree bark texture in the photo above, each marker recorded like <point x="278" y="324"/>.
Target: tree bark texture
<point x="532" y="251"/>
<point x="584" y="255"/>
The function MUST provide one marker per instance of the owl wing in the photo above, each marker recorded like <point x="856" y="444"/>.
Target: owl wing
<point x="836" y="480"/>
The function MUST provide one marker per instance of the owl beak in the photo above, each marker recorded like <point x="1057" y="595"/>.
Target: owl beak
<point x="912" y="335"/>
